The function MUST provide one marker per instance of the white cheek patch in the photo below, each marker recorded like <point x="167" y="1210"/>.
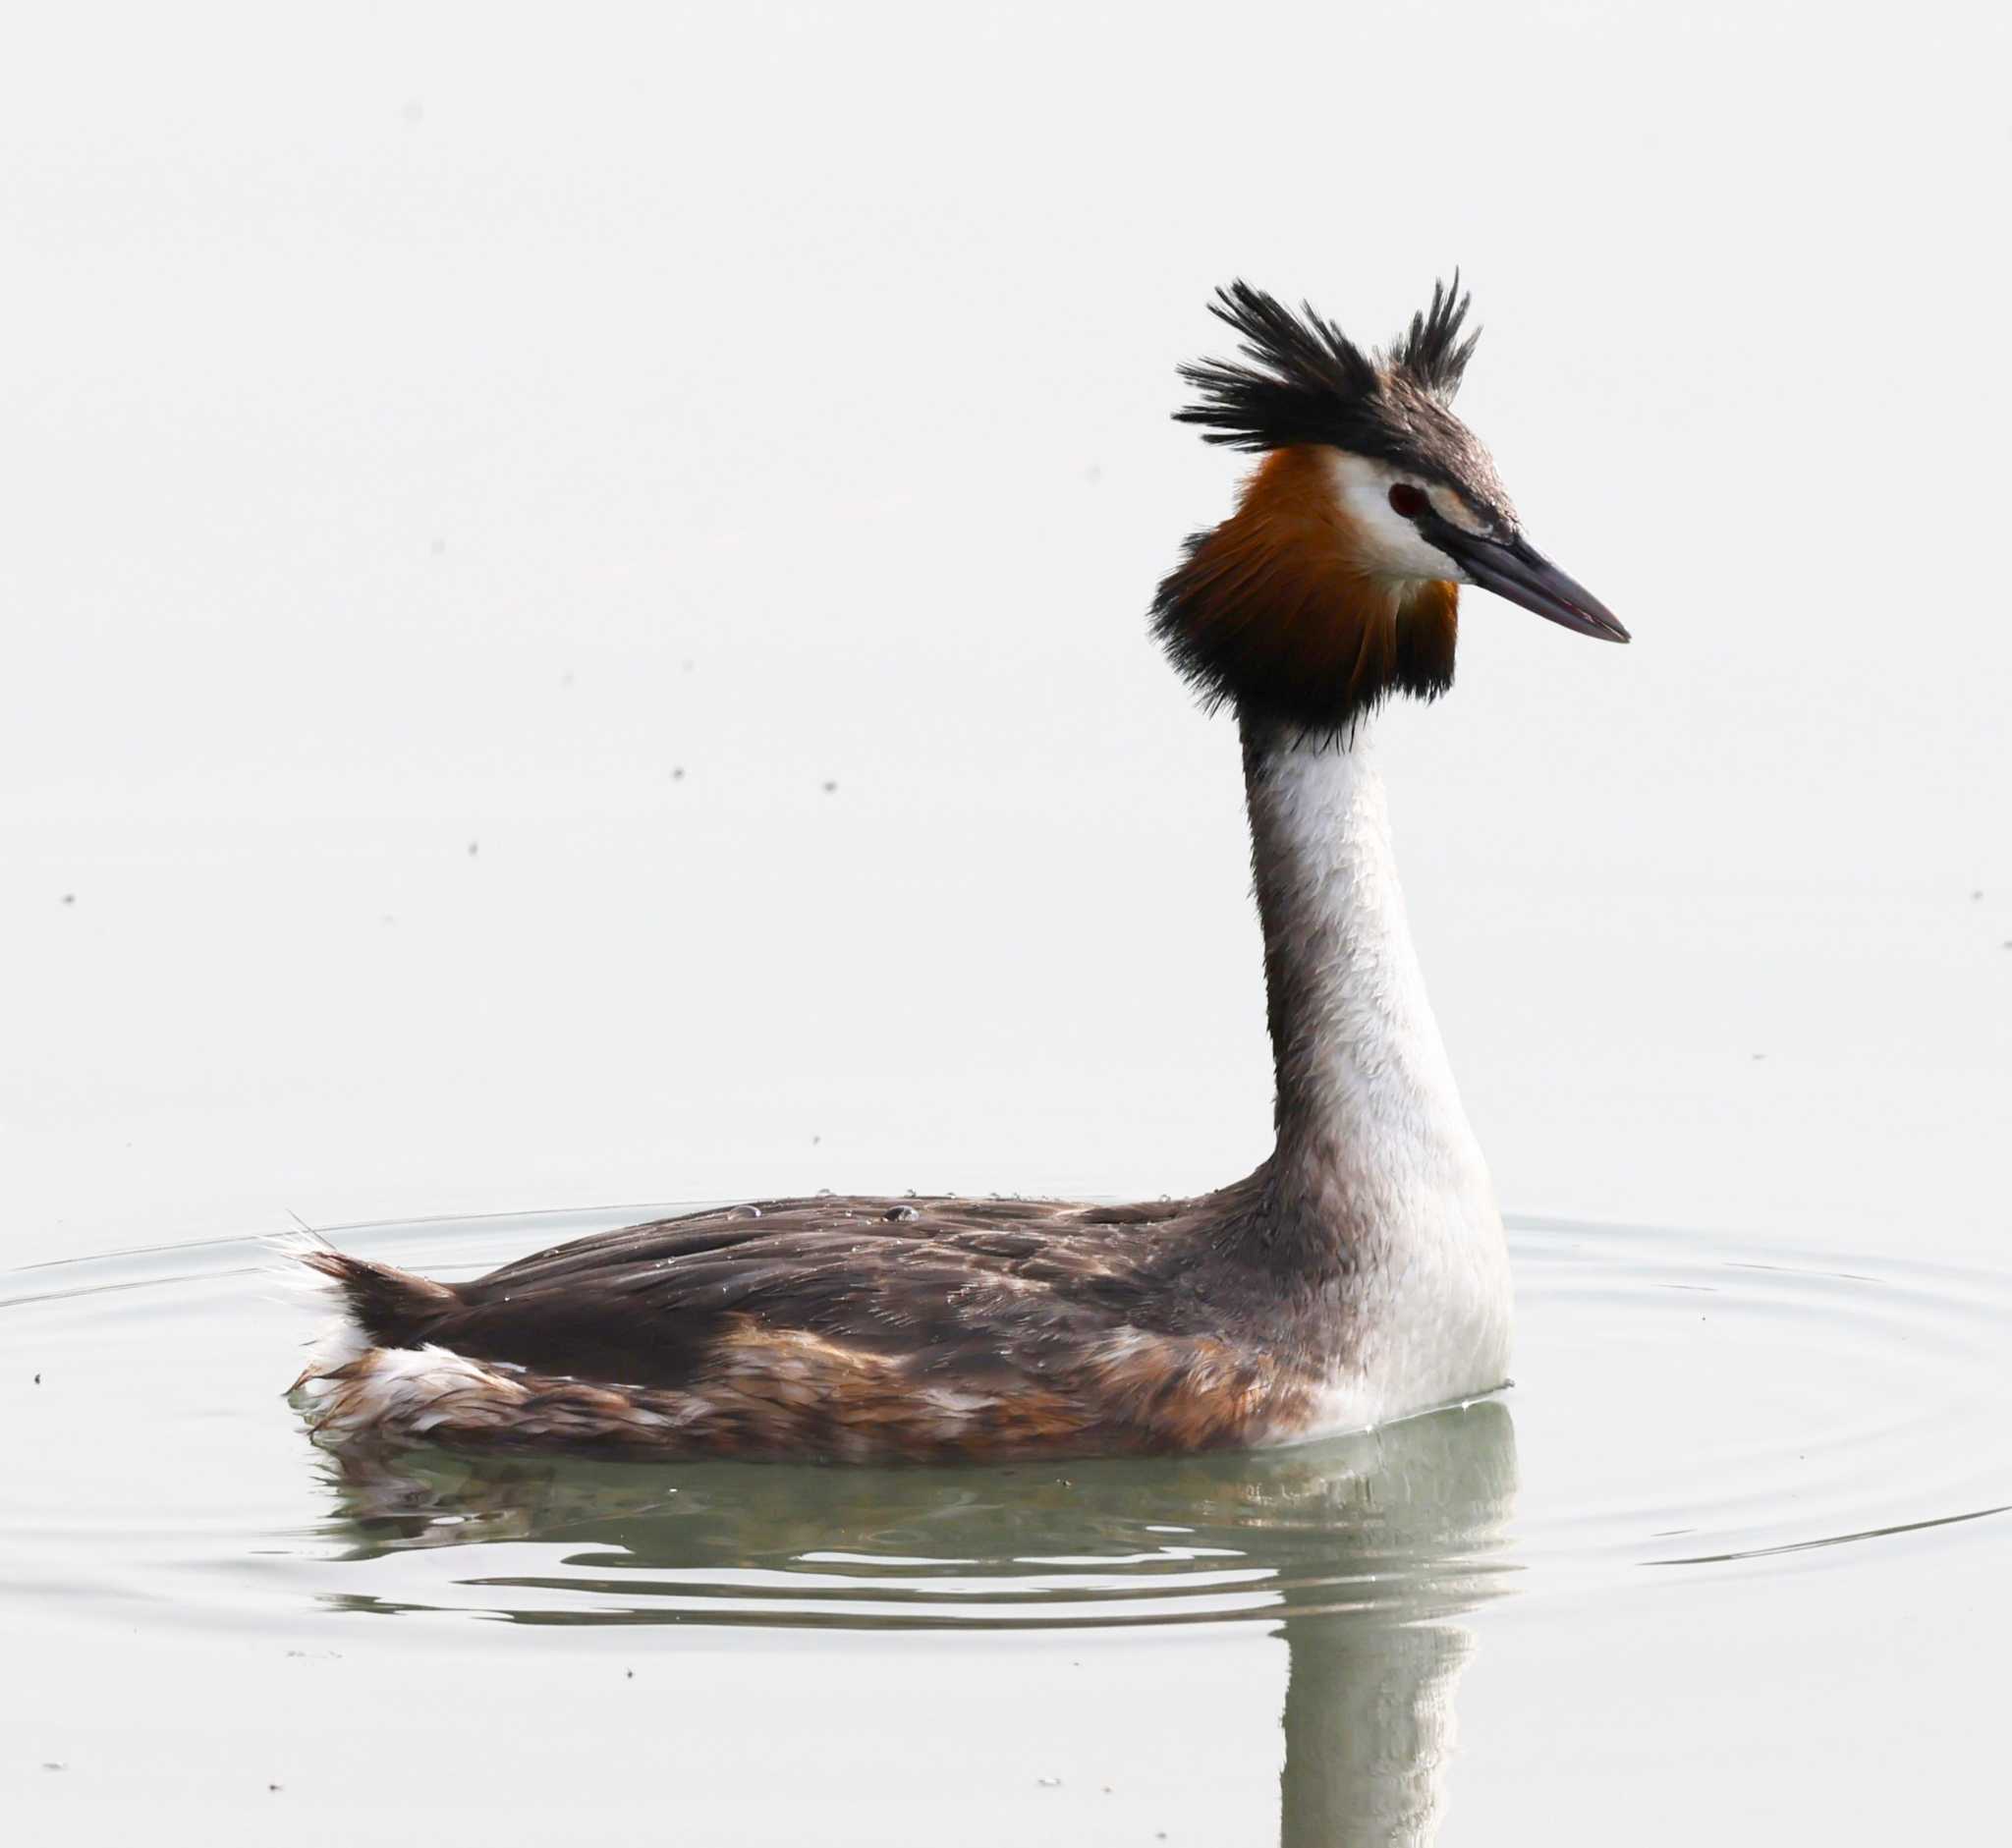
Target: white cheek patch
<point x="1395" y="547"/>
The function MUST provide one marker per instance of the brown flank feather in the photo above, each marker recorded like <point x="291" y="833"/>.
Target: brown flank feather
<point x="844" y="1329"/>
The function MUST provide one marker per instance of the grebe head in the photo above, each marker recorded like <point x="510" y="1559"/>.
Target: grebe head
<point x="1333" y="584"/>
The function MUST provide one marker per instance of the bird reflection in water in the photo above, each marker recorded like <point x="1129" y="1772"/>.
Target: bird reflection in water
<point x="1365" y="1550"/>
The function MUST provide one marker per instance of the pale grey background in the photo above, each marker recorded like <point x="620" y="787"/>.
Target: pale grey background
<point x="433" y="425"/>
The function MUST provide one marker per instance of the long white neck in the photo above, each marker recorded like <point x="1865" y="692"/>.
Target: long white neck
<point x="1376" y="1184"/>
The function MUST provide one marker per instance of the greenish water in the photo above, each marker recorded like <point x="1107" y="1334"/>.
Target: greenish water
<point x="1404" y="1635"/>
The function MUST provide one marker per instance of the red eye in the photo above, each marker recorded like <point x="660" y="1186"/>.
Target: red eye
<point x="1408" y="501"/>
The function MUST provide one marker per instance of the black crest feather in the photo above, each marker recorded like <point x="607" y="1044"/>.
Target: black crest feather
<point x="1304" y="373"/>
<point x="1300" y="379"/>
<point x="1432" y="350"/>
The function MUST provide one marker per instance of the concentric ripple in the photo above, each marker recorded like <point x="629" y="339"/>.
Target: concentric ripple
<point x="1685" y="1405"/>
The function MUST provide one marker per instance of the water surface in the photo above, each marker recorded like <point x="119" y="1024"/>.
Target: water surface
<point x="1235" y="1648"/>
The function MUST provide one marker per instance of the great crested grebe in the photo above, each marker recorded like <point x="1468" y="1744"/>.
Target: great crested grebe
<point x="1358" y="1276"/>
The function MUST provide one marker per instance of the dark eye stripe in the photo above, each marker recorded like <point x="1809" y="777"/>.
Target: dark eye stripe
<point x="1408" y="501"/>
